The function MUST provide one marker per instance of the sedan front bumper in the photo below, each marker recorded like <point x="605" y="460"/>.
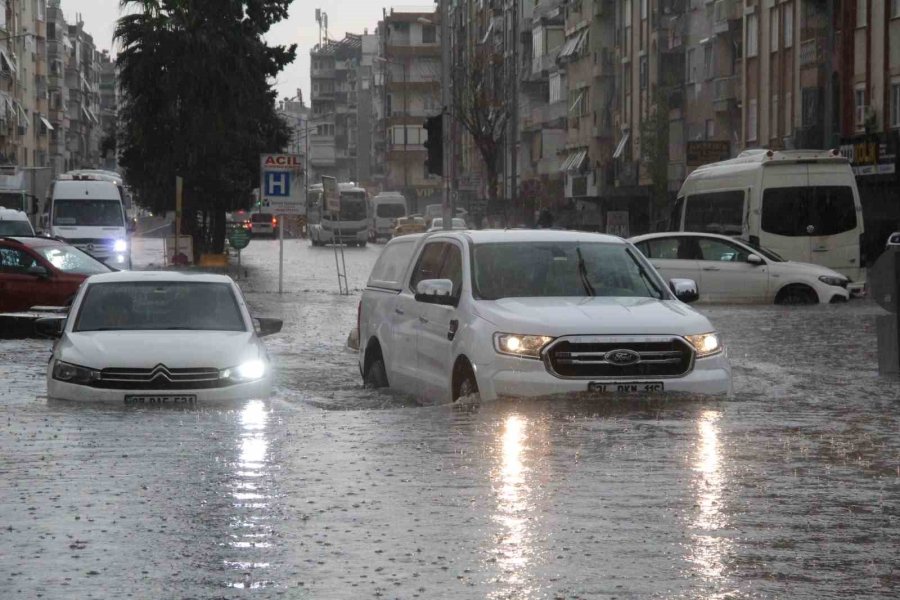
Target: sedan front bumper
<point x="518" y="378"/>
<point x="61" y="390"/>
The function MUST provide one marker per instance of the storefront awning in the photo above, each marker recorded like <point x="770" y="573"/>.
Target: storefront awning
<point x="46" y="123"/>
<point x="574" y="162"/>
<point x="620" y="148"/>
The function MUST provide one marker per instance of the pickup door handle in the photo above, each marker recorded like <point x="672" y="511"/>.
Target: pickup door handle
<point x="399" y="311"/>
<point x="710" y="268"/>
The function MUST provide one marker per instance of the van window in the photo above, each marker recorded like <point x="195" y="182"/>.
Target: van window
<point x="391" y="265"/>
<point x="390" y="211"/>
<point x="675" y="217"/>
<point x="797" y="212"/>
<point x="715" y="212"/>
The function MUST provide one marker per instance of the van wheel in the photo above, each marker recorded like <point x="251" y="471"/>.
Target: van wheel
<point x="797" y="294"/>
<point x="376" y="375"/>
<point x="465" y="384"/>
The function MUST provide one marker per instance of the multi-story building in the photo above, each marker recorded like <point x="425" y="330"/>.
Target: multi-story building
<point x="83" y="83"/>
<point x="333" y="145"/>
<point x="109" y="109"/>
<point x="58" y="48"/>
<point x="411" y="66"/>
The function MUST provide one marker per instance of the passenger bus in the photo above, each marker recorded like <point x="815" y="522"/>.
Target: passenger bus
<point x="803" y="204"/>
<point x="350" y="226"/>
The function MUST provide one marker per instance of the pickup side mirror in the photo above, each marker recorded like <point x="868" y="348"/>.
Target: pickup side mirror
<point x="685" y="290"/>
<point x="51" y="327"/>
<point x="435" y="291"/>
<point x="266" y="326"/>
<point x="755" y="260"/>
<point x="38" y="270"/>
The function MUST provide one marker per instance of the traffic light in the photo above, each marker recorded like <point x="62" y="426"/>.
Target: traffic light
<point x="434" y="145"/>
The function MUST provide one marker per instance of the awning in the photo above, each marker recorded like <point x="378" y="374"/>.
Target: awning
<point x="574" y="162"/>
<point x="621" y="147"/>
<point x="23" y="116"/>
<point x="85" y="113"/>
<point x="573" y="45"/>
<point x="6" y="63"/>
<point x="46" y="124"/>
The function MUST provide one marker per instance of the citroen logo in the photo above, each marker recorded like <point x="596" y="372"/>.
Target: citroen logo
<point x="622" y="357"/>
<point x="160" y="371"/>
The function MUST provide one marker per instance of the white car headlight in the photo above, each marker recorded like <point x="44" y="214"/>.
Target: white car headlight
<point x="248" y="371"/>
<point x="705" y="344"/>
<point x="120" y="246"/>
<point x="835" y="281"/>
<point x="523" y="346"/>
<point x="63" y="371"/>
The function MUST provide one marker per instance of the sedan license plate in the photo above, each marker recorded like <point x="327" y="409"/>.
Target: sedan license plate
<point x="182" y="399"/>
<point x="626" y="387"/>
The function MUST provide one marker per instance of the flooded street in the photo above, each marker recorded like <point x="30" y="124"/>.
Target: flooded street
<point x="789" y="489"/>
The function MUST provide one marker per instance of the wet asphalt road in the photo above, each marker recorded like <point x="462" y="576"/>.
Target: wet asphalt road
<point x="789" y="489"/>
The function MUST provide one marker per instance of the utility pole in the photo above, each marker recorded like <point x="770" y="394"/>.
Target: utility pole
<point x="514" y="115"/>
<point x="446" y="199"/>
<point x="828" y="126"/>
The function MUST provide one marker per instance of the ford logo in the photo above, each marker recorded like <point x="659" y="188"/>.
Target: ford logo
<point x="90" y="247"/>
<point x="622" y="358"/>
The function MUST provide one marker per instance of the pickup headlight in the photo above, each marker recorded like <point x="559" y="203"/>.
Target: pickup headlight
<point x="120" y="246"/>
<point x="705" y="344"/>
<point x="835" y="281"/>
<point x="63" y="371"/>
<point x="248" y="371"/>
<point x="523" y="346"/>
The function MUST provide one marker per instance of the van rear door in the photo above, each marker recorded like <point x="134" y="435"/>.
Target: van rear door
<point x="838" y="223"/>
<point x="784" y="210"/>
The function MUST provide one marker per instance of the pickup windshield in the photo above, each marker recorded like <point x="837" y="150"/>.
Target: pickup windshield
<point x="561" y="269"/>
<point x="88" y="213"/>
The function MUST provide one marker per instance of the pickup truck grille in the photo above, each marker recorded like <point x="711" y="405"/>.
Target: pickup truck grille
<point x="616" y="357"/>
<point x="160" y="378"/>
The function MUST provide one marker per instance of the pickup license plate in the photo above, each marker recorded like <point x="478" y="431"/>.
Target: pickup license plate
<point x="182" y="399"/>
<point x="626" y="387"/>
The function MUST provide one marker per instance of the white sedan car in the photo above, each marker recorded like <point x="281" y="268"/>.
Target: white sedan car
<point x="730" y="270"/>
<point x="158" y="338"/>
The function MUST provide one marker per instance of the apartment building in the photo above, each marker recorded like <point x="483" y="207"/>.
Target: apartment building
<point x="334" y="101"/>
<point x="410" y="63"/>
<point x="58" y="49"/>
<point x="83" y="82"/>
<point x="108" y="109"/>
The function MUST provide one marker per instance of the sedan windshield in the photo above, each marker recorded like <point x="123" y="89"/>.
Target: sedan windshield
<point x="557" y="269"/>
<point x="159" y="306"/>
<point x="88" y="213"/>
<point x="72" y="260"/>
<point x="15" y="228"/>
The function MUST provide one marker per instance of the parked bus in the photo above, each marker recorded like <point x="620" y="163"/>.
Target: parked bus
<point x="803" y="204"/>
<point x="349" y="226"/>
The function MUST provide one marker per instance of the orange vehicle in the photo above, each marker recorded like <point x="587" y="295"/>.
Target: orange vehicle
<point x="411" y="224"/>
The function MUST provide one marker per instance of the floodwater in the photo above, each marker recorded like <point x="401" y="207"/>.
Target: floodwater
<point x="789" y="489"/>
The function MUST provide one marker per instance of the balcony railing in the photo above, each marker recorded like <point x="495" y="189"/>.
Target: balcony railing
<point x="725" y="12"/>
<point x="725" y="93"/>
<point x="810" y="52"/>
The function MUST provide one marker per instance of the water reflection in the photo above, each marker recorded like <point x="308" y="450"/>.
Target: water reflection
<point x="514" y="544"/>
<point x="709" y="547"/>
<point x="249" y="496"/>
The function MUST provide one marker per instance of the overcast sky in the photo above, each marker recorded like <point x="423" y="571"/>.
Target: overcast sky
<point x="300" y="28"/>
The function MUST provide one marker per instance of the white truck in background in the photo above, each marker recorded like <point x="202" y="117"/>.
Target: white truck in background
<point x="22" y="187"/>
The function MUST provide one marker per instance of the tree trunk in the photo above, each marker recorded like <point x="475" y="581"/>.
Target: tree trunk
<point x="218" y="231"/>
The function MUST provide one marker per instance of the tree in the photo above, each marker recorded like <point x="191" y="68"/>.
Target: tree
<point x="480" y="103"/>
<point x="197" y="102"/>
<point x="655" y="155"/>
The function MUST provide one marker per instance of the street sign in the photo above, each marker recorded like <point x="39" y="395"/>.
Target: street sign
<point x="332" y="195"/>
<point x="239" y="238"/>
<point x="281" y="183"/>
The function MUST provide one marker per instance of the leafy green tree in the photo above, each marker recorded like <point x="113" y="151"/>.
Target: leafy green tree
<point x="198" y="103"/>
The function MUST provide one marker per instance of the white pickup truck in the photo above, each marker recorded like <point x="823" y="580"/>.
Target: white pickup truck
<point x="531" y="313"/>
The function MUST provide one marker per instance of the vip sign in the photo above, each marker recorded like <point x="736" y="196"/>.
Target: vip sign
<point x="281" y="183"/>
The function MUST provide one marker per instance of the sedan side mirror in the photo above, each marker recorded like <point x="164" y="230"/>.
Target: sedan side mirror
<point x="435" y="291"/>
<point x="51" y="327"/>
<point x="755" y="260"/>
<point x="685" y="290"/>
<point x="266" y="326"/>
<point x="38" y="270"/>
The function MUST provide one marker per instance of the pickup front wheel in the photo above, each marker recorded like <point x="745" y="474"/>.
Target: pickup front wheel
<point x="376" y="375"/>
<point x="465" y="384"/>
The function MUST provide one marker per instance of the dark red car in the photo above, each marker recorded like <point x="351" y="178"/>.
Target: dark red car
<point x="39" y="271"/>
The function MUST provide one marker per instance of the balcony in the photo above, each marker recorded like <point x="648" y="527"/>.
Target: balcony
<point x="811" y="53"/>
<point x="725" y="93"/>
<point x="726" y="14"/>
<point x="323" y="73"/>
<point x="604" y="65"/>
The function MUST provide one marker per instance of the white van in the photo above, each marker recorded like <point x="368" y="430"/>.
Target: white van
<point x="386" y="208"/>
<point x="803" y="204"/>
<point x="14" y="223"/>
<point x="89" y="214"/>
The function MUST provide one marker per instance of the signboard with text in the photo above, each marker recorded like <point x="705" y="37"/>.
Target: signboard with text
<point x="874" y="154"/>
<point x="281" y="184"/>
<point x="705" y="152"/>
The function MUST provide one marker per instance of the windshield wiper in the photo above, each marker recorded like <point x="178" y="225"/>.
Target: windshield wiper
<point x="644" y="274"/>
<point x="582" y="274"/>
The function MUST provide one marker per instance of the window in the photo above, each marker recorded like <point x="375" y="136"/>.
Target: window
<point x="773" y="30"/>
<point x="861" y="13"/>
<point x="895" y="8"/>
<point x="439" y="260"/>
<point x="429" y="34"/>
<point x="788" y="109"/>
<point x="537" y="42"/>
<point x="774" y="116"/>
<point x="752" y="122"/>
<point x="672" y="248"/>
<point x="710" y="129"/>
<point x="806" y="211"/>
<point x="720" y="251"/>
<point x="555" y="88"/>
<point x="691" y="68"/>
<point x="13" y="260"/>
<point x="627" y="13"/>
<point x="715" y="212"/>
<point x="391" y="265"/>
<point x="708" y="62"/>
<point x="788" y="24"/>
<point x="752" y="44"/>
<point x="644" y="9"/>
<point x="895" y="104"/>
<point x="644" y="72"/>
<point x="859" y="103"/>
<point x="388" y="109"/>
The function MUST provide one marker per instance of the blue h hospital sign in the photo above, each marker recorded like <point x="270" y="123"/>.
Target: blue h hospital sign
<point x="281" y="183"/>
<point x="277" y="184"/>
